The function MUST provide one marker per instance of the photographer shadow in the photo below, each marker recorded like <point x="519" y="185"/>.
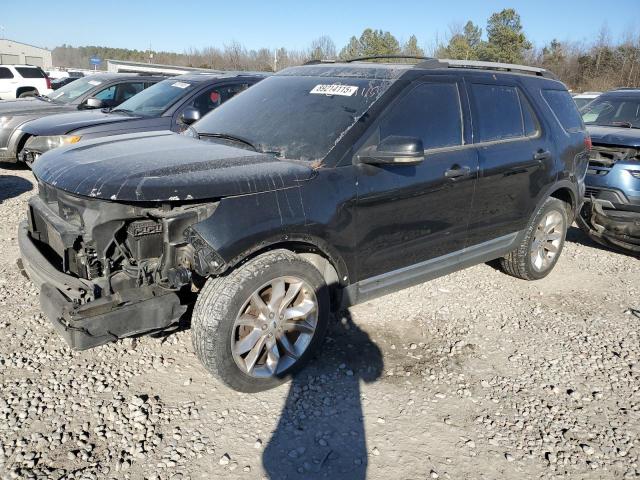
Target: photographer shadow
<point x="321" y="432"/>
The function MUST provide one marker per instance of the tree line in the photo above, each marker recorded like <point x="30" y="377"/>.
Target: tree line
<point x="602" y="65"/>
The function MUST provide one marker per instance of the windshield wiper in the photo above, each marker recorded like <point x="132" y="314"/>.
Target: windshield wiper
<point x="622" y="124"/>
<point x="123" y="110"/>
<point x="227" y="136"/>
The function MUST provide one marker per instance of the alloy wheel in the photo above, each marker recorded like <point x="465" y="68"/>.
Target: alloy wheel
<point x="274" y="327"/>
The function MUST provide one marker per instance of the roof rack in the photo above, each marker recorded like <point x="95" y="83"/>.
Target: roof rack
<point x="430" y="62"/>
<point x="504" y="67"/>
<point x="318" y="62"/>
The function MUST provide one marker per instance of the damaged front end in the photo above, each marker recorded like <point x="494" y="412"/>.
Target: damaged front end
<point x="109" y="270"/>
<point x="611" y="213"/>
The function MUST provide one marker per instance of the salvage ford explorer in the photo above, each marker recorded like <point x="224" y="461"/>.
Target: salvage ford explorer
<point x="318" y="188"/>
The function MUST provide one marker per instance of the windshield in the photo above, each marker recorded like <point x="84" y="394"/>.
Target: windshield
<point x="73" y="90"/>
<point x="582" y="101"/>
<point x="157" y="98"/>
<point x="613" y="112"/>
<point x="295" y="117"/>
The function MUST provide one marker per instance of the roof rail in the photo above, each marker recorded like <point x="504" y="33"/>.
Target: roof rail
<point x="505" y="67"/>
<point x="382" y="57"/>
<point x="317" y="62"/>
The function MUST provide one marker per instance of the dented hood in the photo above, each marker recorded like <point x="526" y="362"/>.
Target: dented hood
<point x="164" y="166"/>
<point x="627" y="137"/>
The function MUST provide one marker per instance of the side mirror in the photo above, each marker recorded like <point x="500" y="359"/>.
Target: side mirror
<point x="190" y="115"/>
<point x="93" y="103"/>
<point x="394" y="149"/>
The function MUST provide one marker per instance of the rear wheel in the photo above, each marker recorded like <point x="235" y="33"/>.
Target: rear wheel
<point x="255" y="327"/>
<point x="28" y="93"/>
<point x="542" y="244"/>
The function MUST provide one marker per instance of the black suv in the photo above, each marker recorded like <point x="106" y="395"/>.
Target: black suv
<point x="172" y="104"/>
<point x="101" y="90"/>
<point x="320" y="187"/>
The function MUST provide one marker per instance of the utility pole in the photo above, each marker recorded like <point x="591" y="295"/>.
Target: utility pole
<point x="275" y="60"/>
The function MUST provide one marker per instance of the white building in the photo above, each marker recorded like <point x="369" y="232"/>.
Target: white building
<point x="20" y="53"/>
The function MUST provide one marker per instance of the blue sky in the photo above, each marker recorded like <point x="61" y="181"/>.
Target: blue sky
<point x="176" y="26"/>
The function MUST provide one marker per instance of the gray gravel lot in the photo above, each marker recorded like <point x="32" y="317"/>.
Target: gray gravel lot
<point x="474" y="375"/>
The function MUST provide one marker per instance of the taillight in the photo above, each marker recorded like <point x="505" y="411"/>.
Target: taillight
<point x="587" y="142"/>
<point x="48" y="82"/>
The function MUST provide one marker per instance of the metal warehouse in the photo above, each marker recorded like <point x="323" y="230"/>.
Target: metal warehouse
<point x="21" y="53"/>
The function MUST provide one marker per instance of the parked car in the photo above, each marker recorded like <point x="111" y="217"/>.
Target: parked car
<point x="96" y="91"/>
<point x="168" y="105"/>
<point x="320" y="187"/>
<point x="62" y="81"/>
<point x="583" y="99"/>
<point x="611" y="213"/>
<point x="21" y="81"/>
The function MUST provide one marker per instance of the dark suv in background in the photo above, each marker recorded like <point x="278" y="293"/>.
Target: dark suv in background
<point x="101" y="90"/>
<point x="322" y="186"/>
<point x="611" y="214"/>
<point x="172" y="104"/>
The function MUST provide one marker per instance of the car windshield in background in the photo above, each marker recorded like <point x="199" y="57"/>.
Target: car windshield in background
<point x="157" y="98"/>
<point x="581" y="102"/>
<point x="613" y="112"/>
<point x="73" y="90"/>
<point x="317" y="112"/>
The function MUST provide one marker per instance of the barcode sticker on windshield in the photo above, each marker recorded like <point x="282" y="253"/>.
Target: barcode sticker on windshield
<point x="95" y="83"/>
<point x="344" y="90"/>
<point x="181" y="84"/>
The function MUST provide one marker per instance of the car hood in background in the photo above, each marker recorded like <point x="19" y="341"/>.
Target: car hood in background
<point x="164" y="166"/>
<point x="63" y="123"/>
<point x="629" y="137"/>
<point x="31" y="106"/>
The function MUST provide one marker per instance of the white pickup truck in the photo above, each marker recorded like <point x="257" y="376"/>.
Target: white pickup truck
<point x="19" y="81"/>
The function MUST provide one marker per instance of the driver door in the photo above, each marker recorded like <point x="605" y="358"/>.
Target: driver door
<point x="409" y="215"/>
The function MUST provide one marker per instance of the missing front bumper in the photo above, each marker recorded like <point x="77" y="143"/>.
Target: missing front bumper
<point x="611" y="227"/>
<point x="85" y="322"/>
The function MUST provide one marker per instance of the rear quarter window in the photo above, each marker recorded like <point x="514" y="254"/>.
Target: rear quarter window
<point x="565" y="109"/>
<point x="28" y="72"/>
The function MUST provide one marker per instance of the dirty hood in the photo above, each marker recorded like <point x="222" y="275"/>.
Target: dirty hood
<point x="64" y="123"/>
<point x="31" y="106"/>
<point x="628" y="137"/>
<point x="164" y="166"/>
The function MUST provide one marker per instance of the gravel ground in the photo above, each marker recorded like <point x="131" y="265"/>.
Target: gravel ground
<point x="474" y="375"/>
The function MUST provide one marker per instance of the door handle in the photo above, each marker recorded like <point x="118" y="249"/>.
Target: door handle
<point x="457" y="171"/>
<point x="542" y="155"/>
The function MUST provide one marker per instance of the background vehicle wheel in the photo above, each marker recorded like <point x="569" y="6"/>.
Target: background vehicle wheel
<point x="542" y="244"/>
<point x="30" y="93"/>
<point x="258" y="325"/>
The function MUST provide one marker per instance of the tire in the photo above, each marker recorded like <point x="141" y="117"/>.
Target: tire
<point x="30" y="93"/>
<point x="521" y="262"/>
<point x="225" y="301"/>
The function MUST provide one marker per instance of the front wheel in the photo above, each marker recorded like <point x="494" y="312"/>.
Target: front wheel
<point x="542" y="244"/>
<point x="255" y="327"/>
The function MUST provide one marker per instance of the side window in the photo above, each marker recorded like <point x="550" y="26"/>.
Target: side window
<point x="212" y="97"/>
<point x="125" y="91"/>
<point x="531" y="124"/>
<point x="5" y="73"/>
<point x="431" y="112"/>
<point x="498" y="115"/>
<point x="106" y="95"/>
<point x="564" y="108"/>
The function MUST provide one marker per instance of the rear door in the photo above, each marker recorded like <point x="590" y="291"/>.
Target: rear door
<point x="408" y="214"/>
<point x="7" y="83"/>
<point x="516" y="158"/>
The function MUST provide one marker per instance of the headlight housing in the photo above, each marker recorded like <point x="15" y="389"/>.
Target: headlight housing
<point x="46" y="143"/>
